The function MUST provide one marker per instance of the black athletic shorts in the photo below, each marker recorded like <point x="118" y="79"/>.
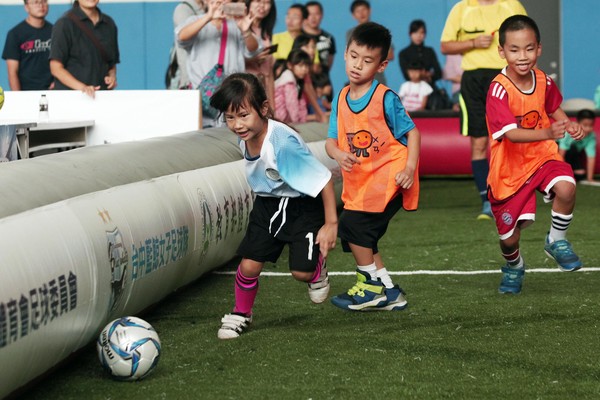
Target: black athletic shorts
<point x="276" y="222"/>
<point x="364" y="228"/>
<point x="474" y="87"/>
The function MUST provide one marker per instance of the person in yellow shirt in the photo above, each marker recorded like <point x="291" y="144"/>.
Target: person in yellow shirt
<point x="471" y="30"/>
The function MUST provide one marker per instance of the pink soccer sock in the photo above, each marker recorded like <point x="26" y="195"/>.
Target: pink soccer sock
<point x="245" y="293"/>
<point x="318" y="270"/>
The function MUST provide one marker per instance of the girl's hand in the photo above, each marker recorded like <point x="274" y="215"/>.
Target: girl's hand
<point x="326" y="238"/>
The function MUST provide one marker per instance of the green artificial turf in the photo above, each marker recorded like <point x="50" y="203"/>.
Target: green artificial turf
<point x="458" y="339"/>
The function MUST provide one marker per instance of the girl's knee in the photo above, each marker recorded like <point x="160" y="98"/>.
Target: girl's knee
<point x="302" y="276"/>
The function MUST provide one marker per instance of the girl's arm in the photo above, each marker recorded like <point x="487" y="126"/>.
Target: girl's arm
<point x="327" y="236"/>
<point x="292" y="103"/>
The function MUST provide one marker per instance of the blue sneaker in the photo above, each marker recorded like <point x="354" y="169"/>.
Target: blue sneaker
<point x="486" y="212"/>
<point x="395" y="300"/>
<point x="364" y="294"/>
<point x="562" y="252"/>
<point x="512" y="280"/>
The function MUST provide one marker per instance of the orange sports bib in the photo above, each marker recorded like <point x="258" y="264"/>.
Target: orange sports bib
<point x="372" y="184"/>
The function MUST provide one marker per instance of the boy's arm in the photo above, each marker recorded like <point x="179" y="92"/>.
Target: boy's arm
<point x="344" y="159"/>
<point x="327" y="235"/>
<point x="405" y="178"/>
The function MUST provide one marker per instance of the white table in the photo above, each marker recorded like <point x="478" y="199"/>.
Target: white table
<point x="51" y="135"/>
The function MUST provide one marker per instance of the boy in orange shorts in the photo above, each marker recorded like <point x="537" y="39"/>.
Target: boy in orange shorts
<point x="524" y="153"/>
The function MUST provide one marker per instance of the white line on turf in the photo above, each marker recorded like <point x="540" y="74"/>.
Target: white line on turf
<point x="418" y="272"/>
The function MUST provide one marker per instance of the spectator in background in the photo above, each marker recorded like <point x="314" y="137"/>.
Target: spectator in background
<point x="416" y="90"/>
<point x="200" y="35"/>
<point x="572" y="150"/>
<point x="416" y="51"/>
<point x="470" y="30"/>
<point x="452" y="72"/>
<point x="309" y="45"/>
<point x="290" y="103"/>
<point x="324" y="40"/>
<point x="261" y="65"/>
<point x="361" y="12"/>
<point x="183" y="11"/>
<point x="324" y="89"/>
<point x="79" y="62"/>
<point x="294" y="19"/>
<point x="27" y="48"/>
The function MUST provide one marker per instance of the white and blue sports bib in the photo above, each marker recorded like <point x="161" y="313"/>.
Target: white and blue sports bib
<point x="285" y="166"/>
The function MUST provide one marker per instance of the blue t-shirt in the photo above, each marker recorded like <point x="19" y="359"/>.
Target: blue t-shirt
<point x="285" y="166"/>
<point x="395" y="115"/>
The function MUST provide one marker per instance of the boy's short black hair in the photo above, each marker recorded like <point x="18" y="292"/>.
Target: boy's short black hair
<point x="516" y="23"/>
<point x="314" y="3"/>
<point x="585" y="114"/>
<point x="415" y="25"/>
<point x="302" y="9"/>
<point x="372" y="35"/>
<point x="358" y="3"/>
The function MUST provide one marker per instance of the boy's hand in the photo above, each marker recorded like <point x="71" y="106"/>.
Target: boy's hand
<point x="405" y="178"/>
<point x="346" y="160"/>
<point x="557" y="130"/>
<point x="575" y="130"/>
<point x="327" y="237"/>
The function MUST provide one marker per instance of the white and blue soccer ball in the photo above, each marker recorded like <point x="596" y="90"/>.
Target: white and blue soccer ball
<point x="128" y="348"/>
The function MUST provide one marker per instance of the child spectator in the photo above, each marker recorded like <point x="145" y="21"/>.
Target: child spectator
<point x="379" y="166"/>
<point x="324" y="90"/>
<point x="415" y="92"/>
<point x="290" y="104"/>
<point x="417" y="51"/>
<point x="295" y="202"/>
<point x="571" y="150"/>
<point x="524" y="154"/>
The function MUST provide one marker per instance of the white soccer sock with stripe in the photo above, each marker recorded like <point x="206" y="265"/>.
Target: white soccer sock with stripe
<point x="371" y="269"/>
<point x="559" y="226"/>
<point x="383" y="274"/>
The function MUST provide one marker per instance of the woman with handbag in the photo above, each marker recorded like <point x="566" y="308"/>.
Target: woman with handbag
<point x="84" y="53"/>
<point x="217" y="44"/>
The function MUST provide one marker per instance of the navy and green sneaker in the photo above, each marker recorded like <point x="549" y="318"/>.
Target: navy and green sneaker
<point x="562" y="252"/>
<point x="395" y="300"/>
<point x="364" y="294"/>
<point x="512" y="280"/>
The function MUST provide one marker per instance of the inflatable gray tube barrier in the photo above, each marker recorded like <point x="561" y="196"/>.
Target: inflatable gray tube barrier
<point x="100" y="232"/>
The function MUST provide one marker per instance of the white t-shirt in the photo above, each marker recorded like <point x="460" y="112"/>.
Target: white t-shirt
<point x="413" y="93"/>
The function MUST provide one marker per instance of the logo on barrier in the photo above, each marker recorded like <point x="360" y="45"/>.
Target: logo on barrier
<point x="117" y="256"/>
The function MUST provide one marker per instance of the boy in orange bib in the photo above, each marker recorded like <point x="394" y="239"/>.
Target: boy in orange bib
<point x="376" y="144"/>
<point x="524" y="154"/>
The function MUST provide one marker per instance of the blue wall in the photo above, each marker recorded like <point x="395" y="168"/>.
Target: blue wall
<point x="145" y="36"/>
